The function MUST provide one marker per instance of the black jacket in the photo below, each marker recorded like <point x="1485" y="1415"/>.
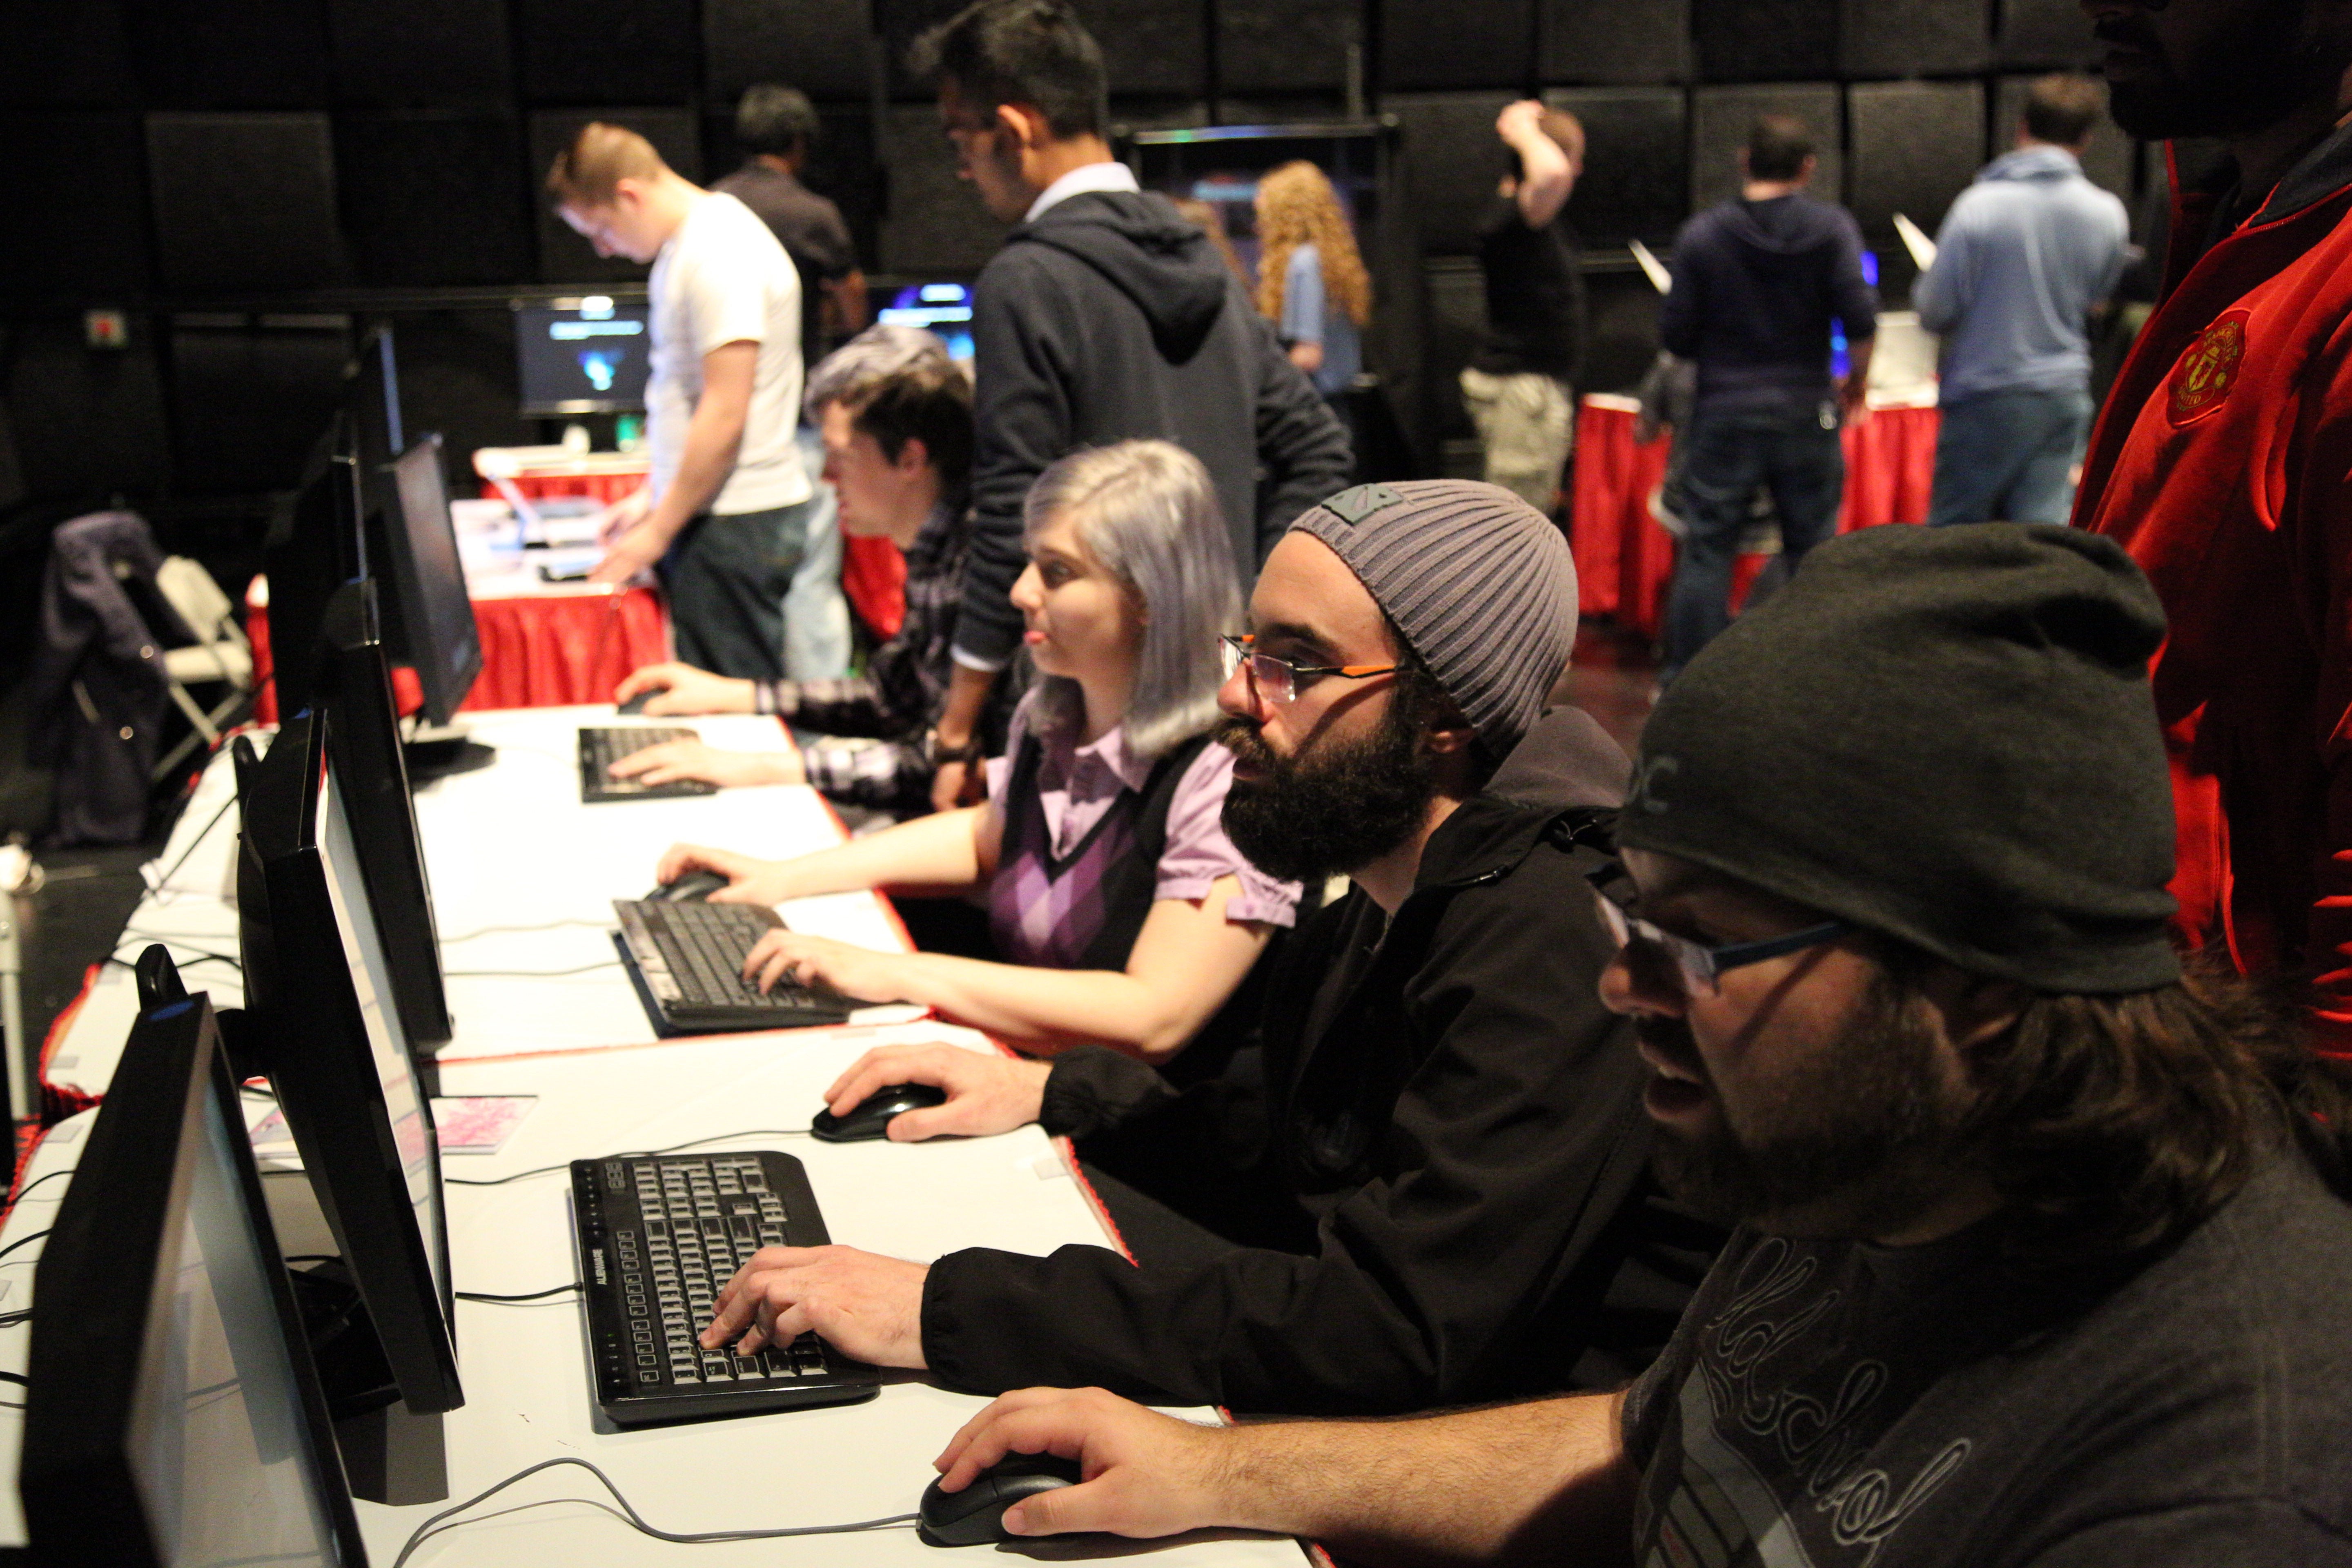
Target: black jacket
<point x="1112" y="318"/>
<point x="1445" y="1120"/>
<point x="1756" y="287"/>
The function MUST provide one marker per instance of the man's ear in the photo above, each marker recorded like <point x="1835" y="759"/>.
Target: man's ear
<point x="1025" y="124"/>
<point x="1978" y="1008"/>
<point x="912" y="457"/>
<point x="1449" y="734"/>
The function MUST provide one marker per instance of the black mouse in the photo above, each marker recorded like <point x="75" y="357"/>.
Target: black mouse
<point x="975" y="1516"/>
<point x="637" y="705"/>
<point x="692" y="888"/>
<point x="870" y="1117"/>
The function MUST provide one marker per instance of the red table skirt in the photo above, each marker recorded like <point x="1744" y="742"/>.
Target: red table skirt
<point x="1624" y="560"/>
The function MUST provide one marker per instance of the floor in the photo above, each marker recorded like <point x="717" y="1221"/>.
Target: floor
<point x="1613" y="678"/>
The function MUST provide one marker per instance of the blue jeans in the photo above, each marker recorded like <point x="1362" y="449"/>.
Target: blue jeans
<point x="1795" y="456"/>
<point x="2008" y="457"/>
<point x="726" y="577"/>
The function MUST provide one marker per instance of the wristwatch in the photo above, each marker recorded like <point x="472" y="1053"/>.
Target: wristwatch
<point x="942" y="753"/>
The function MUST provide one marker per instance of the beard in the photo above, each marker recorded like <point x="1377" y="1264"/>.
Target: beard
<point x="1336" y="806"/>
<point x="2244" y="78"/>
<point x="1854" y="1142"/>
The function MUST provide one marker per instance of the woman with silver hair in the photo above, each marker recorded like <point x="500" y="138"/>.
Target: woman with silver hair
<point x="1123" y="914"/>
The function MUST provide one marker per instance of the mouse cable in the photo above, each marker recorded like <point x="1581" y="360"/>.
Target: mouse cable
<point x="495" y="931"/>
<point x="443" y="1521"/>
<point x="515" y="1301"/>
<point x="528" y="974"/>
<point x="163" y="881"/>
<point x="627" y="1154"/>
<point x="38" y="1181"/>
<point x="24" y="1241"/>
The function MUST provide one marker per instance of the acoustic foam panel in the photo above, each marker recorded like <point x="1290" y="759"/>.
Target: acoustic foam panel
<point x="2112" y="161"/>
<point x="420" y="53"/>
<point x="249" y="400"/>
<point x="1916" y="146"/>
<point x="900" y="22"/>
<point x="1914" y="37"/>
<point x="2048" y="33"/>
<point x="1453" y="160"/>
<point x="563" y="256"/>
<point x="432" y="198"/>
<point x="1765" y="40"/>
<point x="608" y="51"/>
<point x="826" y="50"/>
<point x="85" y="424"/>
<point x="1635" y="183"/>
<point x="1266" y="45"/>
<point x="255" y="54"/>
<point x="1721" y="118"/>
<point x="1621" y="329"/>
<point x="934" y="223"/>
<point x="457" y="379"/>
<point x="72" y="56"/>
<point x="1456" y="290"/>
<point x="242" y="203"/>
<point x="1425" y="44"/>
<point x="78" y="216"/>
<point x="1150" y="46"/>
<point x="1632" y="42"/>
<point x="842" y="168"/>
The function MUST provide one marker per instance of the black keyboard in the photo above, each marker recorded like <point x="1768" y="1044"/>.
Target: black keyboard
<point x="659" y="1236"/>
<point x="688" y="961"/>
<point x="600" y="749"/>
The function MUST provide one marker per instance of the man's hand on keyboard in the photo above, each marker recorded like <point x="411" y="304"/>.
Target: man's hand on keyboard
<point x="820" y="962"/>
<point x="862" y="1304"/>
<point x="682" y="688"/>
<point x="749" y="880"/>
<point x="674" y="760"/>
<point x="986" y="1094"/>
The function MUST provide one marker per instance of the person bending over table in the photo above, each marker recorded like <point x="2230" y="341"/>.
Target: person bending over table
<point x="894" y="414"/>
<point x="1123" y="913"/>
<point x="2044" y="1258"/>
<point x="1429" y="1184"/>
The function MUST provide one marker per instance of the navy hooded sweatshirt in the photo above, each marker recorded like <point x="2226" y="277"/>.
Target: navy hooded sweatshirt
<point x="1755" y="285"/>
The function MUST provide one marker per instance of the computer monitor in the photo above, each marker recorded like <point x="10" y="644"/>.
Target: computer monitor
<point x="1222" y="164"/>
<point x="314" y="546"/>
<point x="587" y="355"/>
<point x="428" y="619"/>
<point x="332" y="1045"/>
<point x="941" y="308"/>
<point x="371" y="772"/>
<point x="172" y="1412"/>
<point x="371" y="396"/>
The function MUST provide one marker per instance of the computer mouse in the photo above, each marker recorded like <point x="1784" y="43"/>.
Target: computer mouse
<point x="975" y="1516"/>
<point x="692" y="888"/>
<point x="870" y="1117"/>
<point x="637" y="705"/>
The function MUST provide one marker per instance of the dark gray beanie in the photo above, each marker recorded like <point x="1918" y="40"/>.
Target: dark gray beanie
<point x="1944" y="734"/>
<point x="1480" y="582"/>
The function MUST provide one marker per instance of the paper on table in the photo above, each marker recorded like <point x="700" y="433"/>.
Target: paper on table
<point x="477" y="1125"/>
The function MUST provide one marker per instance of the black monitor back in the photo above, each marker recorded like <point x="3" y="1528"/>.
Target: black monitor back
<point x="428" y="620"/>
<point x="313" y="548"/>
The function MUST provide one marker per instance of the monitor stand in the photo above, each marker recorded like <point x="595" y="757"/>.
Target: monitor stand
<point x="434" y="752"/>
<point x="395" y="1457"/>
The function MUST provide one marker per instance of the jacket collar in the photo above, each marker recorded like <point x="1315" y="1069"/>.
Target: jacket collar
<point x="1564" y="762"/>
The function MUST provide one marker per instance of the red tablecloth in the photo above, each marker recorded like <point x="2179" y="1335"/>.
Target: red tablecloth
<point x="1624" y="560"/>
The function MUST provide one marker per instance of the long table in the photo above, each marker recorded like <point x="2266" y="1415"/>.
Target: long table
<point x="511" y="846"/>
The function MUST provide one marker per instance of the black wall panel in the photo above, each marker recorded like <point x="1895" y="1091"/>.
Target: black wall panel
<point x="1150" y="46"/>
<point x="2045" y="33"/>
<point x="563" y="256"/>
<point x="2112" y="160"/>
<point x="249" y="399"/>
<point x="1721" y="118"/>
<point x="1914" y="37"/>
<point x="1276" y="45"/>
<point x="65" y="56"/>
<point x="78" y="217"/>
<point x="242" y="203"/>
<point x="1456" y="290"/>
<point x="1453" y="160"/>
<point x="1765" y="40"/>
<point x="253" y="54"/>
<point x="421" y="53"/>
<point x="1618" y="41"/>
<point x="825" y="49"/>
<point x="935" y="222"/>
<point x="1916" y="146"/>
<point x="434" y="198"/>
<point x="900" y="22"/>
<point x="1621" y="331"/>
<point x="1425" y="44"/>
<point x="85" y="424"/>
<point x="608" y="51"/>
<point x="1636" y="161"/>
<point x="457" y="380"/>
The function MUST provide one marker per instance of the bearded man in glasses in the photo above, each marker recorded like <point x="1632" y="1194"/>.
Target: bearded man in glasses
<point x="2044" y="1258"/>
<point x="1431" y="1182"/>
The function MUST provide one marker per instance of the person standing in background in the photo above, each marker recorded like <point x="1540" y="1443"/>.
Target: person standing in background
<point x="1311" y="281"/>
<point x="723" y="513"/>
<point x="1520" y="387"/>
<point x="2025" y="258"/>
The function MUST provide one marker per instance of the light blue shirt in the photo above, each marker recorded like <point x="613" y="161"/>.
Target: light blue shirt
<point x="1307" y="318"/>
<point x="2024" y="255"/>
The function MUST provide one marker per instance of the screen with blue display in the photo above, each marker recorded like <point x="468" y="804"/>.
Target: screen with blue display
<point x="582" y="356"/>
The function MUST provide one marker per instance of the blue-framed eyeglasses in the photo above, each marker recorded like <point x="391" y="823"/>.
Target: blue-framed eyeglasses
<point x="1697" y="965"/>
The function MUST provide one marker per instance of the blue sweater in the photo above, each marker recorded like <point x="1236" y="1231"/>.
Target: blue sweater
<point x="1755" y="285"/>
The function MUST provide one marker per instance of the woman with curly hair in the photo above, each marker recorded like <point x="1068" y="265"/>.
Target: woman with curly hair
<point x="1311" y="281"/>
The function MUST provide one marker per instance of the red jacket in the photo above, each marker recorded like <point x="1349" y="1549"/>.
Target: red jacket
<point x="2223" y="462"/>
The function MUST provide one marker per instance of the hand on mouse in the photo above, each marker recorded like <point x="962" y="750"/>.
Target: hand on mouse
<point x="986" y="1094"/>
<point x="749" y="880"/>
<point x="682" y="688"/>
<point x="1145" y="1475"/>
<point x="818" y="961"/>
<point x="674" y="760"/>
<point x="862" y="1304"/>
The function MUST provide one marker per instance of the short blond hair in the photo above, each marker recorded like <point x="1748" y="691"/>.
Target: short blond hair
<point x="587" y="173"/>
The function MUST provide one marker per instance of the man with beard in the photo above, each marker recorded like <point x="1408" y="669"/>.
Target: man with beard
<point x="1429" y="1184"/>
<point x="2044" y="1259"/>
<point x="2222" y="465"/>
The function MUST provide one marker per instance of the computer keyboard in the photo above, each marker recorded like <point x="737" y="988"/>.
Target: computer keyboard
<point x="600" y="748"/>
<point x="690" y="957"/>
<point x="659" y="1236"/>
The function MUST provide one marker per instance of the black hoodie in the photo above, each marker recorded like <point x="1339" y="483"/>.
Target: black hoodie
<point x="1112" y="318"/>
<point x="1755" y="285"/>
<point x="1438" y="1157"/>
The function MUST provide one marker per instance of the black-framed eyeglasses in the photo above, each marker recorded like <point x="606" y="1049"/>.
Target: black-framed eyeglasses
<point x="1697" y="965"/>
<point x="1276" y="682"/>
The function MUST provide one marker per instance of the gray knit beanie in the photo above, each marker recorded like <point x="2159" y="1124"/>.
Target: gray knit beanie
<point x="1479" y="582"/>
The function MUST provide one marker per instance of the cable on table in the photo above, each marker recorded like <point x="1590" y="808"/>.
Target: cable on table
<point x="627" y="1154"/>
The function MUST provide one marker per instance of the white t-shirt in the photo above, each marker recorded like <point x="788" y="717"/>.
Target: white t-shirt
<point x="723" y="279"/>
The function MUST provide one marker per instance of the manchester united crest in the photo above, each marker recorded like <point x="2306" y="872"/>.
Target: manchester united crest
<point x="2202" y="380"/>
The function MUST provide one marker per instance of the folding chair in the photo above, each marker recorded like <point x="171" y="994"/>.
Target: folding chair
<point x="221" y="655"/>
